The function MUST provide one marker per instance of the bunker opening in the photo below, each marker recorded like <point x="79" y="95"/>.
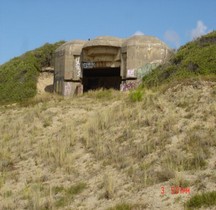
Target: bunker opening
<point x="105" y="78"/>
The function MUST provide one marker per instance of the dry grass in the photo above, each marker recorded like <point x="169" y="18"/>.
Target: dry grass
<point x="121" y="150"/>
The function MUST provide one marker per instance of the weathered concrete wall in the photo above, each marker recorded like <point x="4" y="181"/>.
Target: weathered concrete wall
<point x="138" y="51"/>
<point x="144" y="70"/>
<point x="59" y="71"/>
<point x="67" y="67"/>
<point x="102" y="52"/>
<point x="101" y="56"/>
<point x="72" y="88"/>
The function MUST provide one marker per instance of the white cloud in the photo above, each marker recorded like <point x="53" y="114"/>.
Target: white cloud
<point x="172" y="38"/>
<point x="138" y="33"/>
<point x="200" y="30"/>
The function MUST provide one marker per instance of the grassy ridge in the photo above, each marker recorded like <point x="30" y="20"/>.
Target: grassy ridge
<point x="18" y="77"/>
<point x="195" y="59"/>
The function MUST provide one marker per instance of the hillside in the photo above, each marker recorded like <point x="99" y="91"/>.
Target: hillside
<point x="196" y="60"/>
<point x="102" y="150"/>
<point x="151" y="148"/>
<point x="18" y="77"/>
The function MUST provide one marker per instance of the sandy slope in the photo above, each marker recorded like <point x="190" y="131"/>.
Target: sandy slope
<point x="98" y="142"/>
<point x="45" y="82"/>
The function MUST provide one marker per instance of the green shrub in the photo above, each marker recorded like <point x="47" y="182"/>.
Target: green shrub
<point x="18" y="77"/>
<point x="202" y="200"/>
<point x="136" y="95"/>
<point x="195" y="59"/>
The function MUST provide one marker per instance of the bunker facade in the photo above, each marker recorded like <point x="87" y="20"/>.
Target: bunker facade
<point x="106" y="62"/>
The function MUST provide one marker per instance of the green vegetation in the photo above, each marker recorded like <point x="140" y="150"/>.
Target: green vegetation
<point x="76" y="189"/>
<point x="104" y="94"/>
<point x="67" y="194"/>
<point x="206" y="199"/>
<point x="136" y="95"/>
<point x="18" y="77"/>
<point x="194" y="60"/>
<point x="122" y="206"/>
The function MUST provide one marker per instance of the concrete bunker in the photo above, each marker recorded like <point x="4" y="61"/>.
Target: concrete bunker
<point x="67" y="70"/>
<point x="101" y="63"/>
<point x="106" y="62"/>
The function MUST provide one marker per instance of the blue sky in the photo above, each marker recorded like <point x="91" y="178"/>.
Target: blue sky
<point x="28" y="24"/>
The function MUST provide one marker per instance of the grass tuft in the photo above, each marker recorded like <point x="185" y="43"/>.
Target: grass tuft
<point x="136" y="95"/>
<point x="206" y="199"/>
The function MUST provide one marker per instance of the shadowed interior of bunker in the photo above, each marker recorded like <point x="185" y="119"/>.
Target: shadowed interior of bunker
<point x="96" y="78"/>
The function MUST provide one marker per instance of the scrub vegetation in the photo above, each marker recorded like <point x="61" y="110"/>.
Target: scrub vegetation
<point x="207" y="199"/>
<point x="92" y="153"/>
<point x="114" y="150"/>
<point x="195" y="60"/>
<point x="18" y="77"/>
